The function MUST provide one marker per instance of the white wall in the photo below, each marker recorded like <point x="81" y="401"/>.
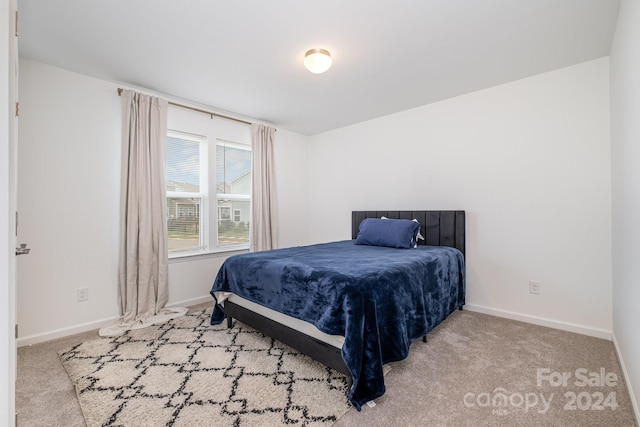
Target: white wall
<point x="530" y="163"/>
<point x="69" y="193"/>
<point x="291" y="159"/>
<point x="625" y="141"/>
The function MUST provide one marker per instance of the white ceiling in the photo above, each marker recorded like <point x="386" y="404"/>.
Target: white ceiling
<point x="245" y="56"/>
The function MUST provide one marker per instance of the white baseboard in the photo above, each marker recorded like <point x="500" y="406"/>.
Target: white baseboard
<point x="192" y="302"/>
<point x="564" y="326"/>
<point x="623" y="368"/>
<point x="62" y="332"/>
<point x="95" y="325"/>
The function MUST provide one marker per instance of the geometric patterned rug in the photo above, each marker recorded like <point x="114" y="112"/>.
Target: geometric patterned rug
<point x="186" y="372"/>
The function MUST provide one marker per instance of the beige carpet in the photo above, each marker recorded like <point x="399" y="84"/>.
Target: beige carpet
<point x="188" y="373"/>
<point x="479" y="370"/>
<point x="469" y="353"/>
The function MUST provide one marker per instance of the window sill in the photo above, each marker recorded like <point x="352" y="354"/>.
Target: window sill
<point x="196" y="255"/>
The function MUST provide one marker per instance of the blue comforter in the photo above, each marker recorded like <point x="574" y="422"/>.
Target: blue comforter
<point x="380" y="299"/>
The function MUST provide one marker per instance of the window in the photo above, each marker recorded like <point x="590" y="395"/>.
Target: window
<point x="224" y="213"/>
<point x="185" y="191"/>
<point x="193" y="167"/>
<point x="233" y="190"/>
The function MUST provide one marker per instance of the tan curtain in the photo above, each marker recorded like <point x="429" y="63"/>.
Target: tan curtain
<point x="143" y="287"/>
<point x="264" y="223"/>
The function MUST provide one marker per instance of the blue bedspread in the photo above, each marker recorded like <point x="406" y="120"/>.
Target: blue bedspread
<point x="380" y="299"/>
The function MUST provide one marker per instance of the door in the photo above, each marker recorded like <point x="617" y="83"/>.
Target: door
<point x="8" y="183"/>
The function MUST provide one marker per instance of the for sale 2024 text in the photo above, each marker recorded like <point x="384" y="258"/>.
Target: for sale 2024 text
<point x="586" y="380"/>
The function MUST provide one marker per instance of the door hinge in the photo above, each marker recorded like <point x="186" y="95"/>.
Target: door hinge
<point x="16" y="331"/>
<point x="17" y="109"/>
<point x="16" y="24"/>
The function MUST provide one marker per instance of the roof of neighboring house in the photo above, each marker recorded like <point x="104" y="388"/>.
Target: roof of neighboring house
<point x="181" y="186"/>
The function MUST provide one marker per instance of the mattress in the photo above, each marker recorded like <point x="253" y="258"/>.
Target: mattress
<point x="297" y="324"/>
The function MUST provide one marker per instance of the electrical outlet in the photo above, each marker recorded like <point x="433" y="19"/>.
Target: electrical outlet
<point x="534" y="287"/>
<point x="83" y="294"/>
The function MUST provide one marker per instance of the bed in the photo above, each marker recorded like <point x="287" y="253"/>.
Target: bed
<point x="353" y="307"/>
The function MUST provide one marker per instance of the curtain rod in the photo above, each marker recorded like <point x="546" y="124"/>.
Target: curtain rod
<point x="200" y="110"/>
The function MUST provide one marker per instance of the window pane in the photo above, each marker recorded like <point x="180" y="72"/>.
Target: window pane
<point x="233" y="169"/>
<point x="233" y="230"/>
<point x="183" y="223"/>
<point x="182" y="170"/>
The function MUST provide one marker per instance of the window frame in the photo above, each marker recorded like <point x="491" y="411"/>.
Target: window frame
<point x="201" y="140"/>
<point x="209" y="212"/>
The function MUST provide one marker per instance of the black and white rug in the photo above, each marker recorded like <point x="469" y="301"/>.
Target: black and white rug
<point x="188" y="373"/>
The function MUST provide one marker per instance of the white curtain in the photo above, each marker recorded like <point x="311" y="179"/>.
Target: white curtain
<point x="143" y="287"/>
<point x="264" y="222"/>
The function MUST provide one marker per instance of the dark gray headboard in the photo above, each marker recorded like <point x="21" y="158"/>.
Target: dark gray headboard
<point x="439" y="228"/>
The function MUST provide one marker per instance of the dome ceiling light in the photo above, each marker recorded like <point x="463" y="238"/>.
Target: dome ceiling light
<point x="317" y="60"/>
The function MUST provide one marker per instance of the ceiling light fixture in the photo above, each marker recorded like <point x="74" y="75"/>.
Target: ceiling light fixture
<point x="317" y="60"/>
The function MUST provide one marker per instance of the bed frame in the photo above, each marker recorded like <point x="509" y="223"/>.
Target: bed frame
<point x="439" y="228"/>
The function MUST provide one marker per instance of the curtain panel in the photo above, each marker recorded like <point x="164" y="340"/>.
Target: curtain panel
<point x="264" y="223"/>
<point x="143" y="288"/>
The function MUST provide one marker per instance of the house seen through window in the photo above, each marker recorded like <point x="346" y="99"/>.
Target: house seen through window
<point x="208" y="187"/>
